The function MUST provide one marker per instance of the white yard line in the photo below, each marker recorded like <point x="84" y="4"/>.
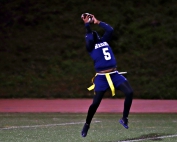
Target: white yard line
<point x="47" y="125"/>
<point x="160" y="137"/>
<point x="74" y="123"/>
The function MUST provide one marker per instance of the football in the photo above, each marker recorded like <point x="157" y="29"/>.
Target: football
<point x="89" y="15"/>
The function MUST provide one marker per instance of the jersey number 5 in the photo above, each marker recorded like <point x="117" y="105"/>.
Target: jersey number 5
<point x="106" y="53"/>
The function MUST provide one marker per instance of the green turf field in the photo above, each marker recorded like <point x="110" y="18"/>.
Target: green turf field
<point x="57" y="127"/>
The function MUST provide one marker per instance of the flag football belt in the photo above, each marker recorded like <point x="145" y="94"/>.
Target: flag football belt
<point x="108" y="79"/>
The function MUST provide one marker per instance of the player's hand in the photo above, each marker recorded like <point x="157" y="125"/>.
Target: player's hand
<point x="95" y="21"/>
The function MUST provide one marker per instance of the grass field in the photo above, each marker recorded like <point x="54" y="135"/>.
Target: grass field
<point x="59" y="127"/>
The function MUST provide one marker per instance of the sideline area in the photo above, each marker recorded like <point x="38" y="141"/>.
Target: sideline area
<point x="81" y="105"/>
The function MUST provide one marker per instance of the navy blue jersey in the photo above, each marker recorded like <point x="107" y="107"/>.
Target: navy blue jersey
<point x="99" y="49"/>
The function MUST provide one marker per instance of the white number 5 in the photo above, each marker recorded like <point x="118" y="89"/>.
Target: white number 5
<point x="107" y="55"/>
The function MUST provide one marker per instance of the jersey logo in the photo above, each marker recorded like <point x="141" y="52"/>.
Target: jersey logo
<point x="101" y="45"/>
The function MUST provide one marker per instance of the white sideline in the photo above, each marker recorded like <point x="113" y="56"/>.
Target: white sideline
<point x="47" y="125"/>
<point x="160" y="137"/>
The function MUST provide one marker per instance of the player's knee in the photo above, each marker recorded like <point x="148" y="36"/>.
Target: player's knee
<point x="95" y="104"/>
<point x="129" y="93"/>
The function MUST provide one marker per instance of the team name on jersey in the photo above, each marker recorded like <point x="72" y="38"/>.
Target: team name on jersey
<point x="101" y="45"/>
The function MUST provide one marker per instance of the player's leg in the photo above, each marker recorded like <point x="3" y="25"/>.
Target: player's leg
<point x="127" y="90"/>
<point x="91" y="111"/>
<point x="93" y="107"/>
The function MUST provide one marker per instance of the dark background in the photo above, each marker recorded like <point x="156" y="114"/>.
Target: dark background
<point x="42" y="47"/>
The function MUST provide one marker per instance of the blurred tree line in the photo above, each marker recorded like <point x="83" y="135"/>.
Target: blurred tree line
<point x="42" y="48"/>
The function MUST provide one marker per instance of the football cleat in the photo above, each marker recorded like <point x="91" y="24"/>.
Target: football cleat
<point x="124" y="122"/>
<point x="85" y="130"/>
